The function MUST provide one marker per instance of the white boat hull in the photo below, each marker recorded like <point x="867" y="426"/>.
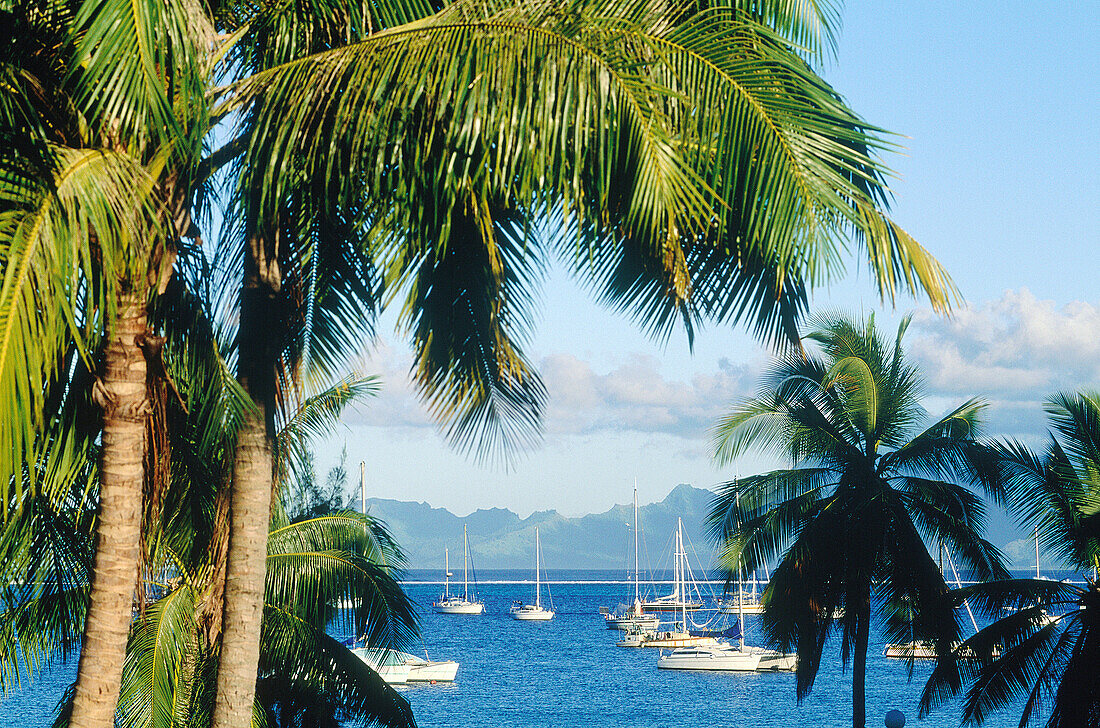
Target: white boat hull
<point x="667" y="640"/>
<point x="393" y="674"/>
<point x="723" y="658"/>
<point x="530" y="613"/>
<point x="427" y="671"/>
<point x="749" y="608"/>
<point x="632" y="623"/>
<point x="458" y="607"/>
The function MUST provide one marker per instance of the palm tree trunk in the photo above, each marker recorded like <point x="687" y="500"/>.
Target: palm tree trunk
<point x="859" y="665"/>
<point x="122" y="394"/>
<point x="249" y="512"/>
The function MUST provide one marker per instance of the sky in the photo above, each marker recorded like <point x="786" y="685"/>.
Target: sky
<point x="995" y="104"/>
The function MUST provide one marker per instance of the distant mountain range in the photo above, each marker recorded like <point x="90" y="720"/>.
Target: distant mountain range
<point x="500" y="539"/>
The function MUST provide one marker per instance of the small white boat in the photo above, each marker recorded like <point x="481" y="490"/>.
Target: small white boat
<point x="387" y="663"/>
<point x="727" y="658"/>
<point x="743" y="604"/>
<point x="534" y="612"/>
<point x="397" y="667"/>
<point x="910" y="650"/>
<point x="629" y="618"/>
<point x="452" y="603"/>
<point x="667" y="639"/>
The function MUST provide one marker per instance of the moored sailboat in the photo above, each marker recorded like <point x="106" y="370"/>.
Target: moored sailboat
<point x="452" y="603"/>
<point x="631" y="617"/>
<point x="534" y="612"/>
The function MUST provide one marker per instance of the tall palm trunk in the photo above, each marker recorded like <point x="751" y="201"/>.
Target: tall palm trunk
<point x="122" y="395"/>
<point x="249" y="512"/>
<point x="859" y="664"/>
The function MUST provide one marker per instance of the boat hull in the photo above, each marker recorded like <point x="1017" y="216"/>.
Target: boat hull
<point x="425" y="671"/>
<point x="623" y="624"/>
<point x="728" y="660"/>
<point x="393" y="674"/>
<point x="532" y="614"/>
<point x="458" y="608"/>
<point x="666" y="640"/>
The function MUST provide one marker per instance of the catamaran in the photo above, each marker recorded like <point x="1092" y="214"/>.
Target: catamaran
<point x="452" y="603"/>
<point x="631" y="617"/>
<point x="535" y="612"/>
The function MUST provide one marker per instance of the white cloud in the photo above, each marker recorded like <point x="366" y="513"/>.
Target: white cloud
<point x="634" y="396"/>
<point x="1014" y="352"/>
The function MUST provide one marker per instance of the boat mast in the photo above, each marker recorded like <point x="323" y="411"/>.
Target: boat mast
<point x="447" y="570"/>
<point x="538" y="584"/>
<point x="363" y="486"/>
<point x="740" y="589"/>
<point x="1037" y="553"/>
<point x="636" y="599"/>
<point x="680" y="548"/>
<point x="465" y="565"/>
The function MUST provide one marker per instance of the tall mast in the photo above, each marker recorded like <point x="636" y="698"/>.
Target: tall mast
<point x="363" y="486"/>
<point x="465" y="564"/>
<point x="636" y="599"/>
<point x="538" y="584"/>
<point x="683" y="598"/>
<point x="447" y="569"/>
<point x="740" y="589"/>
<point x="1037" y="553"/>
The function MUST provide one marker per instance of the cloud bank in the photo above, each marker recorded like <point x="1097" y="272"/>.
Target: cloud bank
<point x="1014" y="352"/>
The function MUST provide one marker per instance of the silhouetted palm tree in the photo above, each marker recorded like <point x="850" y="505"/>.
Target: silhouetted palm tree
<point x="868" y="490"/>
<point x="1043" y="646"/>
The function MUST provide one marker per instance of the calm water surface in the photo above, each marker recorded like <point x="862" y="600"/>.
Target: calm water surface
<point x="568" y="673"/>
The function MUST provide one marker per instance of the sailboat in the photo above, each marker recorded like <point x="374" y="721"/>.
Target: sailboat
<point x="721" y="656"/>
<point x="452" y="603"/>
<point x="679" y="600"/>
<point x="535" y="612"/>
<point x="632" y="617"/>
<point x="679" y="635"/>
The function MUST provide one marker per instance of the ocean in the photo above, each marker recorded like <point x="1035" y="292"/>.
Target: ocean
<point x="568" y="673"/>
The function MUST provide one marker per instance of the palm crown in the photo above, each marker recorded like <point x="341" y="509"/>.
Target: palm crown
<point x="850" y="522"/>
<point x="1044" y="643"/>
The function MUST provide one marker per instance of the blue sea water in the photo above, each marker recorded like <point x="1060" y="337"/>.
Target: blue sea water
<point x="568" y="673"/>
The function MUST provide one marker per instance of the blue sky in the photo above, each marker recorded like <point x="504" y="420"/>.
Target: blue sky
<point x="997" y="106"/>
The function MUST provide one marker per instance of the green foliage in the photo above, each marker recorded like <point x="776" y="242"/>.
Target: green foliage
<point x="1044" y="642"/>
<point x="867" y="491"/>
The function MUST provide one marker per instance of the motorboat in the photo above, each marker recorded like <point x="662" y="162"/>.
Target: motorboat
<point x="534" y="612"/>
<point x="727" y="658"/>
<point x="452" y="603"/>
<point x="397" y="667"/>
<point x="387" y="663"/>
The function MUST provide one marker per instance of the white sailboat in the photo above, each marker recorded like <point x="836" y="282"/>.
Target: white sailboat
<point x="679" y="600"/>
<point x="632" y="617"/>
<point x="679" y="635"/>
<point x="726" y="657"/>
<point x="535" y="612"/>
<point x="452" y="603"/>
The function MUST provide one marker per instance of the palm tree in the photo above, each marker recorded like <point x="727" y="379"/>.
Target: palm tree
<point x="313" y="566"/>
<point x="1043" y="644"/>
<point x="867" y="491"/>
<point x="690" y="163"/>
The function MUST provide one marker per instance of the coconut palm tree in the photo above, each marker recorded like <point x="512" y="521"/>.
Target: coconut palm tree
<point x="1043" y="644"/>
<point x="686" y="160"/>
<point x="867" y="491"/>
<point x="306" y="677"/>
